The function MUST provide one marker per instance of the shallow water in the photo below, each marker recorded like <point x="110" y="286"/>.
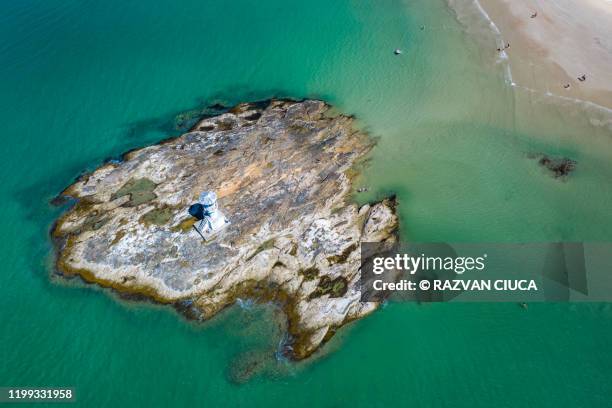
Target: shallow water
<point x="81" y="81"/>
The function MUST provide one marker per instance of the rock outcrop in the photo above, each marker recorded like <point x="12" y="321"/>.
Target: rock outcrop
<point x="559" y="167"/>
<point x="282" y="174"/>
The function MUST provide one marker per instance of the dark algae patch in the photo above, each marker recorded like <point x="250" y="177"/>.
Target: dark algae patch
<point x="269" y="244"/>
<point x="333" y="287"/>
<point x="341" y="258"/>
<point x="158" y="216"/>
<point x="94" y="221"/>
<point x="140" y="191"/>
<point x="185" y="225"/>
<point x="120" y="234"/>
<point x="310" y="273"/>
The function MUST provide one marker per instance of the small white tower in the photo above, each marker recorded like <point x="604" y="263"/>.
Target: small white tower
<point x="214" y="220"/>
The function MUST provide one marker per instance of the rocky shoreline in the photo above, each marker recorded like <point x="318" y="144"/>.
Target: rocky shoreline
<point x="282" y="171"/>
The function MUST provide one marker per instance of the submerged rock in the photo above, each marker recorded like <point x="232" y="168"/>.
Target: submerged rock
<point x="280" y="172"/>
<point x="247" y="365"/>
<point x="558" y="166"/>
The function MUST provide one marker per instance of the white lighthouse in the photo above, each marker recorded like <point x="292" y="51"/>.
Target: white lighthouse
<point x="214" y="220"/>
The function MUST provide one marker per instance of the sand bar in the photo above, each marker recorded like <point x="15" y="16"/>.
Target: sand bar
<point x="554" y="42"/>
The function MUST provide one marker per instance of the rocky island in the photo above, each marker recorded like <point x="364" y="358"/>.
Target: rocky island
<point x="283" y="173"/>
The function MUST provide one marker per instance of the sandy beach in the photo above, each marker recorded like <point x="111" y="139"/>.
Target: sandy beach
<point x="555" y="42"/>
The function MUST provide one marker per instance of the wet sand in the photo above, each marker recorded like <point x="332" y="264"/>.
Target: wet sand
<point x="563" y="41"/>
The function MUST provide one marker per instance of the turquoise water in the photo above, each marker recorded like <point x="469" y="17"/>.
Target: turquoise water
<point x="81" y="81"/>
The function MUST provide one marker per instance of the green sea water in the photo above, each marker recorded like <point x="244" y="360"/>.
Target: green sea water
<point x="81" y="81"/>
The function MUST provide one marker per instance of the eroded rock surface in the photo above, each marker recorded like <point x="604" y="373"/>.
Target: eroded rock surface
<point x="280" y="171"/>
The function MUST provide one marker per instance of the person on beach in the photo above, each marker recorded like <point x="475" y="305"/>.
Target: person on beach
<point x="500" y="49"/>
<point x="534" y="14"/>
